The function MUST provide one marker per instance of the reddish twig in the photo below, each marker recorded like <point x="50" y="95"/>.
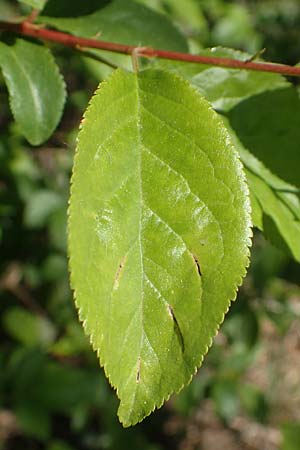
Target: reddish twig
<point x="28" y="29"/>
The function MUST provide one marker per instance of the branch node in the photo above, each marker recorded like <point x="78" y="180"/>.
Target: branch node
<point x="256" y="55"/>
<point x="136" y="53"/>
<point x="32" y="16"/>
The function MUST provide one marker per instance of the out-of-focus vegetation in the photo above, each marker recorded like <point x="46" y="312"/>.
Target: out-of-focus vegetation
<point x="53" y="395"/>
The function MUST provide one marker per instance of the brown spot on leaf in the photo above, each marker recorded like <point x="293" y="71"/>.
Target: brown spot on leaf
<point x="176" y="327"/>
<point x="196" y="260"/>
<point x="138" y="373"/>
<point x="119" y="272"/>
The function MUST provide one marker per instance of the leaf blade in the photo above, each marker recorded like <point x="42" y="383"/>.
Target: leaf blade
<point x="267" y="125"/>
<point x="165" y="266"/>
<point x="143" y="26"/>
<point x="36" y="88"/>
<point x="37" y="4"/>
<point x="275" y="203"/>
<point x="225" y="88"/>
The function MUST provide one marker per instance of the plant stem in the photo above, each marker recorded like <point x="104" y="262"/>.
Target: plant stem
<point x="28" y="29"/>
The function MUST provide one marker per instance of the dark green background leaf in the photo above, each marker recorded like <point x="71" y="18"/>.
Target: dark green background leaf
<point x="268" y="126"/>
<point x="275" y="203"/>
<point x="126" y="22"/>
<point x="36" y="4"/>
<point x="59" y="8"/>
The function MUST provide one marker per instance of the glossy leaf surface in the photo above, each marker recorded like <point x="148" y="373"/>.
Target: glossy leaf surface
<point x="259" y="106"/>
<point x="36" y="88"/>
<point x="159" y="232"/>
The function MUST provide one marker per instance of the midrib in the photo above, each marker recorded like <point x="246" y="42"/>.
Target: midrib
<point x="140" y="207"/>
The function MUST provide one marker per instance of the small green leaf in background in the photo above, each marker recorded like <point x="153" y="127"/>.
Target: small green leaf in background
<point x="36" y="4"/>
<point x="190" y="19"/>
<point x="235" y="28"/>
<point x="40" y="205"/>
<point x="280" y="223"/>
<point x="27" y="328"/>
<point x="159" y="231"/>
<point x="225" y="88"/>
<point x="42" y="387"/>
<point x="267" y="125"/>
<point x="143" y="26"/>
<point x="226" y="398"/>
<point x="36" y="88"/>
<point x="275" y="203"/>
<point x="253" y="401"/>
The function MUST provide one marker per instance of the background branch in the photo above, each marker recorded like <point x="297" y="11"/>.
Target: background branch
<point x="28" y="29"/>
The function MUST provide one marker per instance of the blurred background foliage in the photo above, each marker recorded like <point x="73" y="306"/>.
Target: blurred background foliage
<point x="53" y="395"/>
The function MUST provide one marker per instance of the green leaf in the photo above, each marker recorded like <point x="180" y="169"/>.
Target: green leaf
<point x="28" y="328"/>
<point x="268" y="126"/>
<point x="223" y="87"/>
<point x="159" y="232"/>
<point x="275" y="203"/>
<point x="280" y="224"/>
<point x="36" y="88"/>
<point x="253" y="401"/>
<point x="40" y="206"/>
<point x="36" y="4"/>
<point x="190" y="17"/>
<point x="225" y="395"/>
<point x="236" y="28"/>
<point x="126" y="22"/>
<point x="75" y="8"/>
